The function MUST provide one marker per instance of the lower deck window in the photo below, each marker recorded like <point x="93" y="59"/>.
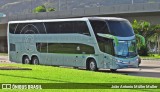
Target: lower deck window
<point x="68" y="48"/>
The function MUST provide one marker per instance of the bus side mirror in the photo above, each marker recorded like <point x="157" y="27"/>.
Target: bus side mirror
<point x="115" y="39"/>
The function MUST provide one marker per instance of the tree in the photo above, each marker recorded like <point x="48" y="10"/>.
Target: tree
<point x="154" y="37"/>
<point x="151" y="33"/>
<point x="50" y="9"/>
<point x="141" y="28"/>
<point x="42" y="8"/>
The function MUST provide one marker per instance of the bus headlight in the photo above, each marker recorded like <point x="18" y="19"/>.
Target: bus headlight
<point x="137" y="60"/>
<point x="114" y="59"/>
<point x="119" y="61"/>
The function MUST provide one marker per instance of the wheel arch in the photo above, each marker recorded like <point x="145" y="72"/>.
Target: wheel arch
<point x="34" y="56"/>
<point x="25" y="55"/>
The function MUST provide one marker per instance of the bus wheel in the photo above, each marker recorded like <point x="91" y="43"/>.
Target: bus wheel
<point x="75" y="67"/>
<point x="113" y="70"/>
<point x="35" y="61"/>
<point x="139" y="61"/>
<point x="92" y="65"/>
<point x="26" y="60"/>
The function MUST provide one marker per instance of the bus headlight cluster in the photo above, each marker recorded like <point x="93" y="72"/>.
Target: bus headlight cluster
<point x="137" y="59"/>
<point x="119" y="61"/>
<point x="114" y="59"/>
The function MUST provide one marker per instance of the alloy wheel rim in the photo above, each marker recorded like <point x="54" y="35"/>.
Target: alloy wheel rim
<point x="92" y="65"/>
<point x="35" y="61"/>
<point x="27" y="61"/>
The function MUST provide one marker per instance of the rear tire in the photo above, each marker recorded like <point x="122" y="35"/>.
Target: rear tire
<point x="92" y="66"/>
<point x="35" y="61"/>
<point x="75" y="67"/>
<point x="25" y="60"/>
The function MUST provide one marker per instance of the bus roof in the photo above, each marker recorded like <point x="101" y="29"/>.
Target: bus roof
<point x="68" y="19"/>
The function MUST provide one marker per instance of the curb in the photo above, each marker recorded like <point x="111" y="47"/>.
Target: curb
<point x="4" y="61"/>
<point x="152" y="59"/>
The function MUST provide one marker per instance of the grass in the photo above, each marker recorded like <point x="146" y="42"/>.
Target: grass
<point x="49" y="74"/>
<point x="151" y="56"/>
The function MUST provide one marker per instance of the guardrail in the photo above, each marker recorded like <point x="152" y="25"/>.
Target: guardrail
<point x="72" y="4"/>
<point x="89" y="11"/>
<point x="61" y="5"/>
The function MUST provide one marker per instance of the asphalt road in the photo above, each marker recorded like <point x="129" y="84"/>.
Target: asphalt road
<point x="148" y="68"/>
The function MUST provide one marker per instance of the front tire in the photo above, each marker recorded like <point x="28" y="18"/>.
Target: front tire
<point x="35" y="61"/>
<point x="139" y="61"/>
<point x="92" y="66"/>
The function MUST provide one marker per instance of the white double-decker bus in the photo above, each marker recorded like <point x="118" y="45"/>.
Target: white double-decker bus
<point x="93" y="43"/>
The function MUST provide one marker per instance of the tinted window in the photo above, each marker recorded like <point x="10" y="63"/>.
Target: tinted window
<point x="27" y="28"/>
<point x="99" y="26"/>
<point x="69" y="48"/>
<point x="79" y="27"/>
<point x="120" y="28"/>
<point x="106" y="45"/>
<point x="53" y="27"/>
<point x="67" y="27"/>
<point x="12" y="28"/>
<point x="42" y="47"/>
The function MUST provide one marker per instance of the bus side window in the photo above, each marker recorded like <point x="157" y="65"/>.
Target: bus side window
<point x="81" y="28"/>
<point x="42" y="47"/>
<point x="52" y="27"/>
<point x="66" y="27"/>
<point x="99" y="27"/>
<point x="12" y="28"/>
<point x="106" y="45"/>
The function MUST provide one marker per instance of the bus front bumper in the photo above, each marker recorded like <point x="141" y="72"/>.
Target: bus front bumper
<point x="125" y="64"/>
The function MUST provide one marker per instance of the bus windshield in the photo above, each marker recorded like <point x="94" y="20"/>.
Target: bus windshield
<point x="126" y="49"/>
<point x="120" y="28"/>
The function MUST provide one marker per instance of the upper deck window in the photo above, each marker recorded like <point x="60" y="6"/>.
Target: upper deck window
<point x="79" y="27"/>
<point x="63" y="27"/>
<point x="99" y="26"/>
<point x="120" y="28"/>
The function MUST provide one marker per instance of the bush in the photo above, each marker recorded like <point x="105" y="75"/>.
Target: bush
<point x="143" y="51"/>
